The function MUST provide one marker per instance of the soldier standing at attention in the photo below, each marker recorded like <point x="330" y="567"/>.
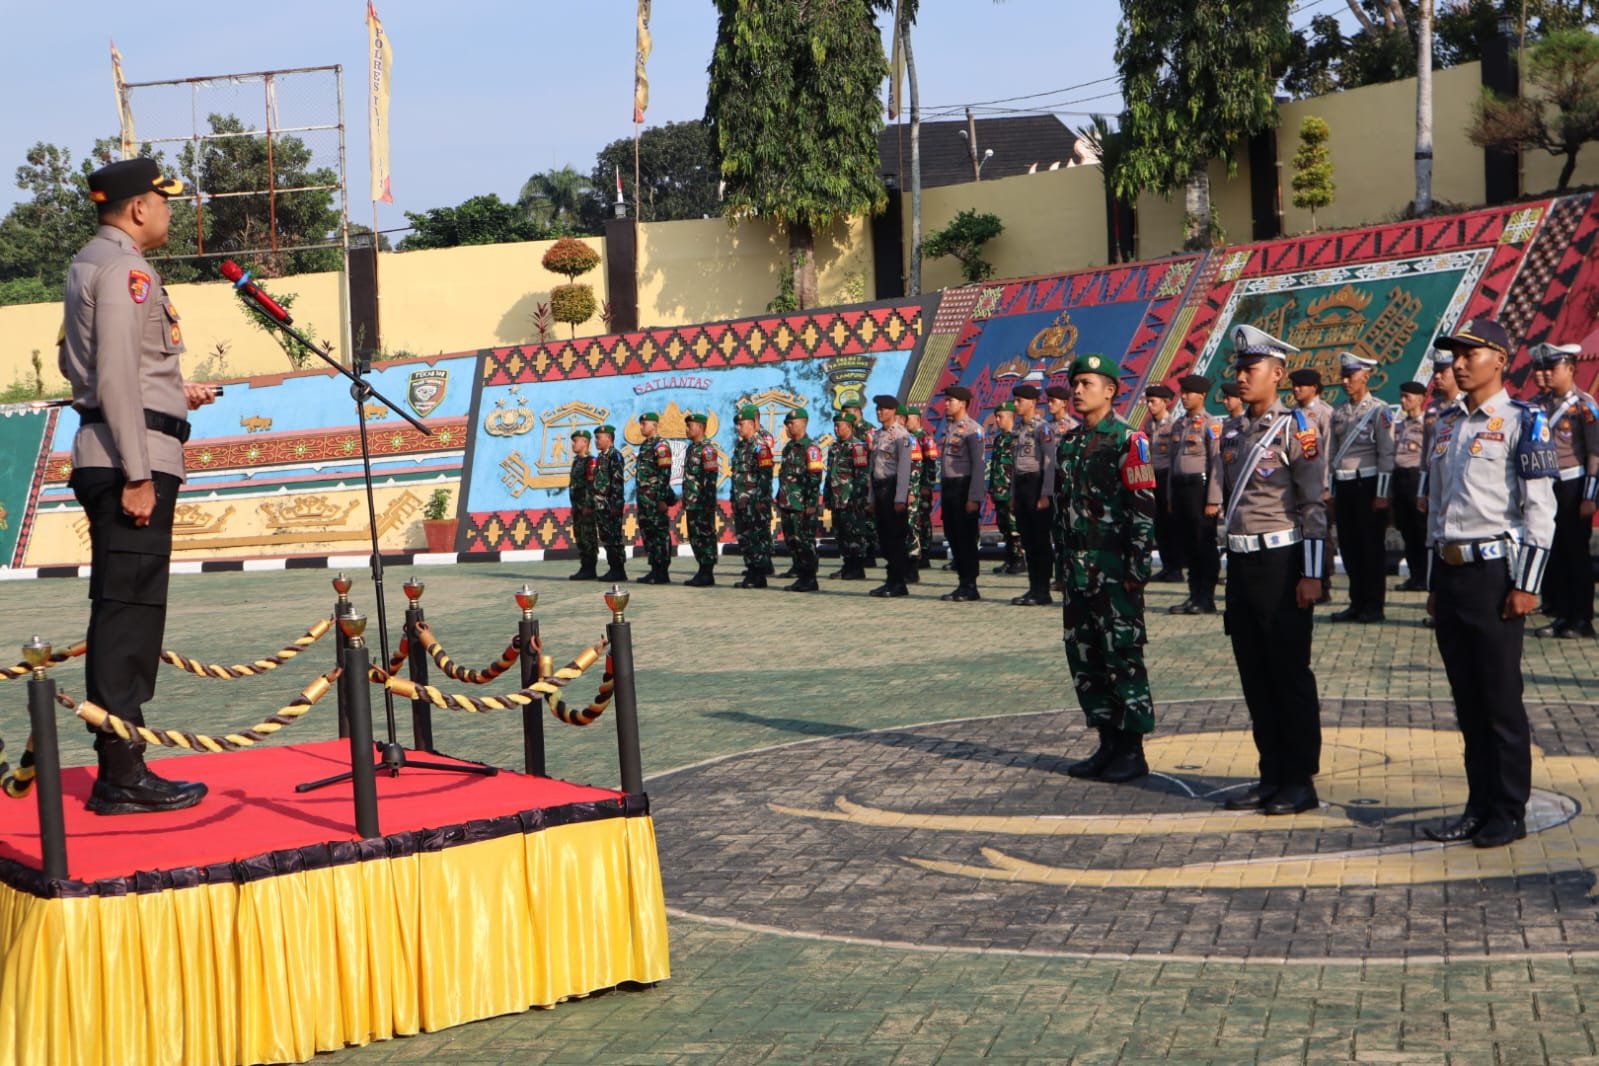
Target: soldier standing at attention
<point x="1361" y="461"/>
<point x="1033" y="494"/>
<point x="1409" y="432"/>
<point x="925" y="450"/>
<point x="1195" y="453"/>
<point x="119" y="349"/>
<point x="846" y="491"/>
<point x="752" y="498"/>
<point x="1574" y="421"/>
<point x="1275" y="514"/>
<point x="1106" y="493"/>
<point x="610" y="498"/>
<point x="1058" y="399"/>
<point x="961" y="488"/>
<point x="1158" y="398"/>
<point x="866" y="433"/>
<point x="892" y="484"/>
<point x="1490" y="523"/>
<point x="653" y="497"/>
<point x="1445" y="393"/>
<point x="702" y="469"/>
<point x="580" y="487"/>
<point x="799" y="485"/>
<point x="1001" y="468"/>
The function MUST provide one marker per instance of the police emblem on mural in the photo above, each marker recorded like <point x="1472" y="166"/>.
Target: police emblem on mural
<point x="426" y="390"/>
<point x="510" y="417"/>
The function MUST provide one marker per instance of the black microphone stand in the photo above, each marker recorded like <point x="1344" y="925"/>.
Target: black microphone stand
<point x="391" y="755"/>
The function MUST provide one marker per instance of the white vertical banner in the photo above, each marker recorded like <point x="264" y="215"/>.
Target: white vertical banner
<point x="130" y="143"/>
<point x="382" y="64"/>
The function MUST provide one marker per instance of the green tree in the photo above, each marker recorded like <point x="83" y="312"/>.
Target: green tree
<point x="1313" y="168"/>
<point x="678" y="177"/>
<point x="1198" y="79"/>
<point x="479" y="220"/>
<point x="40" y="235"/>
<point x="1563" y="73"/>
<point x="964" y="238"/>
<point x="1106" y="143"/>
<point x="793" y="114"/>
<point x="556" y="198"/>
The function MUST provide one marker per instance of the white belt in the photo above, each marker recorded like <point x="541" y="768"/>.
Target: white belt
<point x="1570" y="473"/>
<point x="1459" y="553"/>
<point x="1252" y="542"/>
<point x="1352" y="475"/>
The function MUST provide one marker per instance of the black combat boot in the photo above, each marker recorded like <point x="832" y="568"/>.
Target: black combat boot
<point x="585" y="571"/>
<point x="805" y="582"/>
<point x="1095" y="764"/>
<point x="701" y="578"/>
<point x="618" y="571"/>
<point x="1129" y="763"/>
<point x="753" y="579"/>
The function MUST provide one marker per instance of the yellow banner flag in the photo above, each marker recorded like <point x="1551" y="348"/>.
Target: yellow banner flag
<point x="378" y="111"/>
<point x="641" y="81"/>
<point x="130" y="143"/>
<point x="896" y="68"/>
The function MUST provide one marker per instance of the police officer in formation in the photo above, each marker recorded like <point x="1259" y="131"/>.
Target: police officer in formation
<point x="702" y="469"/>
<point x="1001" y="471"/>
<point x="751" y="492"/>
<point x="1105" y="494"/>
<point x="1444" y="393"/>
<point x="1490" y="525"/>
<point x="610" y="475"/>
<point x="1305" y="384"/>
<point x="1410" y="431"/>
<point x="892" y="484"/>
<point x="1195" y="448"/>
<point x="846" y="491"/>
<point x="1158" y="398"/>
<point x="1274" y="513"/>
<point x="1032" y="494"/>
<point x="654" y="497"/>
<point x="585" y="527"/>
<point x="961" y="486"/>
<point x="1574" y="423"/>
<point x="799" y="490"/>
<point x="1232" y="401"/>
<point x="1361" y="461"/>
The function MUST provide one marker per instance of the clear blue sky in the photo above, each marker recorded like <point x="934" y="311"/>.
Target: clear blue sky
<point x="487" y="92"/>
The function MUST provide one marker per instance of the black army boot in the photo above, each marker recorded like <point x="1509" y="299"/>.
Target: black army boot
<point x="585" y="571"/>
<point x="854" y="570"/>
<point x="753" y="579"/>
<point x="702" y="578"/>
<point x="805" y="582"/>
<point x="618" y="571"/>
<point x="1095" y="764"/>
<point x="656" y="576"/>
<point x="1129" y="763"/>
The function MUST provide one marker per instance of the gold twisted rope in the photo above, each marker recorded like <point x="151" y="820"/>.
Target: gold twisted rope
<point x="402" y="653"/>
<point x="547" y="689"/>
<point x="56" y="658"/>
<point x="106" y="722"/>
<point x="508" y="658"/>
<point x="17" y="782"/>
<point x="260" y="666"/>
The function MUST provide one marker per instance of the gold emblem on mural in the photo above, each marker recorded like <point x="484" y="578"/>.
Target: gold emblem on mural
<point x="1055" y="344"/>
<point x="774" y="404"/>
<point x="256" y="424"/>
<point x="1338" y="322"/>
<point x="672" y="426"/>
<point x="306" y="512"/>
<point x="846" y="377"/>
<point x="376" y="411"/>
<point x="508" y="421"/>
<point x="1012" y="369"/>
<point x="192" y="520"/>
<point x="553" y="467"/>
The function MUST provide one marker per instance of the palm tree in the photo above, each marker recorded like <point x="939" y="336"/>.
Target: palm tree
<point x="555" y="196"/>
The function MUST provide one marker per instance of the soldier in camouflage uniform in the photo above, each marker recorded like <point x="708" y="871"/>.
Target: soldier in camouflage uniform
<point x="702" y="469"/>
<point x="1106" y="491"/>
<point x="610" y="498"/>
<point x="1058" y="401"/>
<point x="847" y="493"/>
<point x="580" y="486"/>
<point x="653" y="495"/>
<point x="1001" y="465"/>
<point x="923" y="528"/>
<point x="799" y="484"/>
<point x="752" y="498"/>
<point x="910" y="418"/>
<point x="866" y="433"/>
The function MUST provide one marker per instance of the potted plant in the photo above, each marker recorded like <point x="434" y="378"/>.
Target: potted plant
<point x="439" y="522"/>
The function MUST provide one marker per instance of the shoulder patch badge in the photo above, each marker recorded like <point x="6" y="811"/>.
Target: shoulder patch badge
<point x="1137" y="473"/>
<point x="138" y="286"/>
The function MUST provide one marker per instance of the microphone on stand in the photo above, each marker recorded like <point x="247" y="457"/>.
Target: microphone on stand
<point x="266" y="304"/>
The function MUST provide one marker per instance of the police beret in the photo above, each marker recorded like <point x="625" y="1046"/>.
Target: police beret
<point x="797" y="415"/>
<point x="1476" y="333"/>
<point x="606" y="429"/>
<point x="1058" y="392"/>
<point x="886" y="401"/>
<point x="959" y="392"/>
<point x="650" y="416"/>
<point x="585" y="434"/>
<point x="129" y="178"/>
<point x="749" y="411"/>
<point x="1414" y="388"/>
<point x="1026" y="392"/>
<point x="1160" y="392"/>
<point x="1304" y="376"/>
<point x="697" y="416"/>
<point x="846" y="416"/>
<point x="1008" y="405"/>
<point x="1233" y="389"/>
<point x="1194" y="383"/>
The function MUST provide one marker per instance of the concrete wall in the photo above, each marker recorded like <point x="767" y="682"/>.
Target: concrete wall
<point x="1159" y="225"/>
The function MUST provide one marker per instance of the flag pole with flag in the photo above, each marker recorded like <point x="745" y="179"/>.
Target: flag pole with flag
<point x="130" y="143"/>
<point x="382" y="64"/>
<point x="641" y="90"/>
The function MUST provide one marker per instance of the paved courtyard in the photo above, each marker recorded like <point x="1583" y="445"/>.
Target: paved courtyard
<point x="872" y="853"/>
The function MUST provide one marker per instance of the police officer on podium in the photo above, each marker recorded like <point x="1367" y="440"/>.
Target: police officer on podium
<point x="1490" y="524"/>
<point x="120" y="346"/>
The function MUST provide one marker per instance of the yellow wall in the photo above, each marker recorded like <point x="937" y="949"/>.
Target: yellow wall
<point x="1054" y="222"/>
<point x="703" y="270"/>
<point x="1159" y="223"/>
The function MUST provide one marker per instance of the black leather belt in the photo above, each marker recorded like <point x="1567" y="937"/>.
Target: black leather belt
<point x="1092" y="541"/>
<point x="161" y="423"/>
<point x="1187" y="479"/>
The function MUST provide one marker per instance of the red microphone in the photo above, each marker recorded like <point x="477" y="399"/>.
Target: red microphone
<point x="241" y="281"/>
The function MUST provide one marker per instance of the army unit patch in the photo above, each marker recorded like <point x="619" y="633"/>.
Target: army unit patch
<point x="138" y="286"/>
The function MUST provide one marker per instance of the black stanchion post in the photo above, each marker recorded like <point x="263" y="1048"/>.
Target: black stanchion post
<point x="421" y="710"/>
<point x="527" y="632"/>
<point x="46" y="760"/>
<point x="341" y="610"/>
<point x="356" y="703"/>
<point x="620" y="634"/>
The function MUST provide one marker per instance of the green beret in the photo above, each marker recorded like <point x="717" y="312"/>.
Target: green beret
<point x="650" y="416"/>
<point x="1094" y="363"/>
<point x="749" y="411"/>
<point x="697" y="416"/>
<point x="585" y="434"/>
<point x="607" y="429"/>
<point x="1008" y="405"/>
<point x="846" y="416"/>
<point x="796" y="415"/>
<point x="908" y="409"/>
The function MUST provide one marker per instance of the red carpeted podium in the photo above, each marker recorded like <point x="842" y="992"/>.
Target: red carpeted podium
<point x="260" y="927"/>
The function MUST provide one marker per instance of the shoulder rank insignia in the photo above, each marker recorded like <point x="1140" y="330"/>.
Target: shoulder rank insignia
<point x="1305" y="434"/>
<point x="1535" y="451"/>
<point x="1214" y="429"/>
<point x="1137" y="473"/>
